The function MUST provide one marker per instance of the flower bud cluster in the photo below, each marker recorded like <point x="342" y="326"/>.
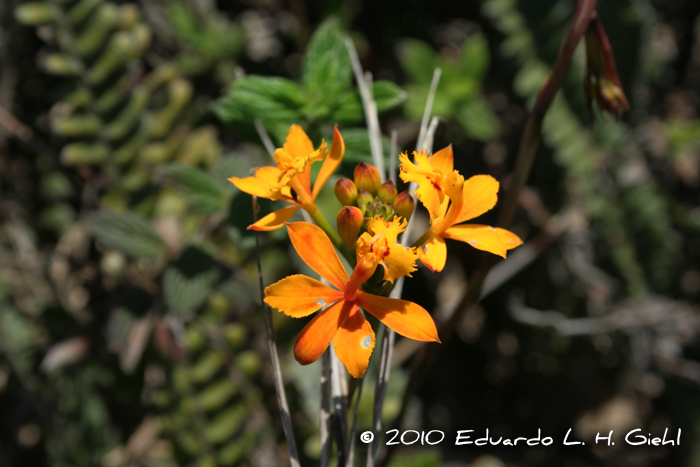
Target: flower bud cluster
<point x="371" y="197"/>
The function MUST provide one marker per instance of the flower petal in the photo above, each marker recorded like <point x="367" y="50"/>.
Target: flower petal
<point x="443" y="160"/>
<point x="483" y="237"/>
<point x="335" y="157"/>
<point x="433" y="254"/>
<point x="275" y="220"/>
<point x="298" y="296"/>
<point x="314" y="247"/>
<point x="272" y="175"/>
<point x="253" y="186"/>
<point x="480" y="196"/>
<point x="404" y="317"/>
<point x="316" y="336"/>
<point x="354" y="343"/>
<point x="298" y="144"/>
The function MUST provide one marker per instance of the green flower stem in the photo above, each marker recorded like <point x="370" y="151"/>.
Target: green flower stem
<point x="322" y="222"/>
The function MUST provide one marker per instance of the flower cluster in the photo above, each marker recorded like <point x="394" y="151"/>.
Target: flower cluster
<point x="369" y="229"/>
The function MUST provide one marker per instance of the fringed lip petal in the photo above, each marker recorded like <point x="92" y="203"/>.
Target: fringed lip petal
<point x="316" y="336"/>
<point x="381" y="240"/>
<point x="354" y="342"/>
<point x="433" y="254"/>
<point x="298" y="296"/>
<point x="404" y="317"/>
<point x="483" y="237"/>
<point x="480" y="196"/>
<point x="317" y="251"/>
<point x="275" y="220"/>
<point x="335" y="157"/>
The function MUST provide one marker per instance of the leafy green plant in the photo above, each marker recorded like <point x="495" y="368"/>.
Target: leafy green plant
<point x="458" y="94"/>
<point x="323" y="97"/>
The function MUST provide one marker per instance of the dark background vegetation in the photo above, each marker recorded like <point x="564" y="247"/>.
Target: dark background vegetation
<point x="130" y="325"/>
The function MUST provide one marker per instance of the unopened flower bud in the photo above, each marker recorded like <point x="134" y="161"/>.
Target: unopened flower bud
<point x="345" y="191"/>
<point x="404" y="205"/>
<point x="349" y="222"/>
<point x="387" y="191"/>
<point x="364" y="198"/>
<point x="367" y="178"/>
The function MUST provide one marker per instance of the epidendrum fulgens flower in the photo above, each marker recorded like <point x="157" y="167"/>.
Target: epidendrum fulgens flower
<point x="452" y="200"/>
<point x="291" y="180"/>
<point x="341" y="321"/>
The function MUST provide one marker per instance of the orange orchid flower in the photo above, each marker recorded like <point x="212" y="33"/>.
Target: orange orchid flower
<point x="380" y="243"/>
<point x="467" y="199"/>
<point x="291" y="180"/>
<point x="341" y="321"/>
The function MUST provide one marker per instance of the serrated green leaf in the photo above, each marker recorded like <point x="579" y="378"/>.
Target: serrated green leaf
<point x="327" y="69"/>
<point x="418" y="59"/>
<point x="348" y="107"/>
<point x="184" y="294"/>
<point x="269" y="99"/>
<point x="478" y="120"/>
<point x="203" y="193"/>
<point x="474" y="57"/>
<point x="127" y="232"/>
<point x="357" y="147"/>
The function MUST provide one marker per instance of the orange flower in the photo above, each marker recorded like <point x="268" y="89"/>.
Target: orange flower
<point x="291" y="180"/>
<point x="380" y="244"/>
<point x="444" y="187"/>
<point x="429" y="173"/>
<point x="341" y="321"/>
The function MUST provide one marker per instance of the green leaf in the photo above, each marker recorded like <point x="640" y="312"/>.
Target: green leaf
<point x="187" y="282"/>
<point x="418" y="59"/>
<point x="327" y="69"/>
<point x="183" y="294"/>
<point x="443" y="105"/>
<point x="478" y="120"/>
<point x="474" y="57"/>
<point x="127" y="232"/>
<point x="203" y="193"/>
<point x="269" y="99"/>
<point x="357" y="147"/>
<point x="349" y="109"/>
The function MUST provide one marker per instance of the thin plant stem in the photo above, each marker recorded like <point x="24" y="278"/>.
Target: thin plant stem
<point x="325" y="408"/>
<point x="393" y="155"/>
<point x="340" y="410"/>
<point x="264" y="137"/>
<point x="351" y="440"/>
<point x="386" y="351"/>
<point x="529" y="145"/>
<point x="274" y="358"/>
<point x="369" y="106"/>
<point x="428" y="109"/>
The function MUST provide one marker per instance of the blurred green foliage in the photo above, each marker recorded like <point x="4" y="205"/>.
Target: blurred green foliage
<point x="458" y="94"/>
